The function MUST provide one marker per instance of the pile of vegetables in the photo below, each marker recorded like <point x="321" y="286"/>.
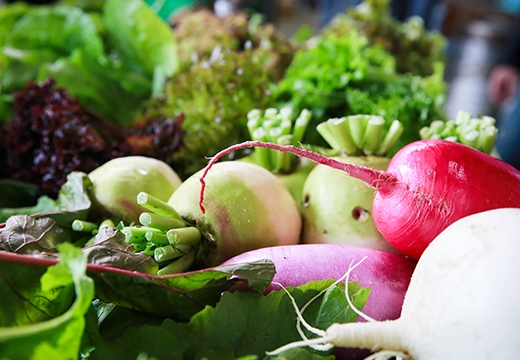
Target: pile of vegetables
<point x="349" y="219"/>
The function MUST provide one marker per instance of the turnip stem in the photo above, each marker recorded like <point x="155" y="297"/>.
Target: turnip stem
<point x="300" y="125"/>
<point x="168" y="252"/>
<point x="357" y="125"/>
<point x="180" y="265"/>
<point x="391" y="138"/>
<point x="263" y="156"/>
<point x="337" y="134"/>
<point x="84" y="226"/>
<point x="157" y="237"/>
<point x="376" y="179"/>
<point x="188" y="235"/>
<point x="156" y="205"/>
<point x="373" y="135"/>
<point x="160" y="222"/>
<point x="135" y="234"/>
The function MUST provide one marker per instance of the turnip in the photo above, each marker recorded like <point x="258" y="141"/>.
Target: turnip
<point x="386" y="274"/>
<point x="462" y="301"/>
<point x="247" y="208"/>
<point x="338" y="208"/>
<point x="429" y="184"/>
<point x="117" y="182"/>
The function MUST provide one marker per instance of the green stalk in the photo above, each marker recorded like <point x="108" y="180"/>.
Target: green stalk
<point x="160" y="222"/>
<point x="188" y="236"/>
<point x="357" y="125"/>
<point x="168" y="252"/>
<point x="136" y="234"/>
<point x="157" y="237"/>
<point x="487" y="139"/>
<point x="180" y="265"/>
<point x="263" y="156"/>
<point x="157" y="206"/>
<point x="300" y="126"/>
<point x="282" y="160"/>
<point x="85" y="226"/>
<point x="391" y="138"/>
<point x="373" y="135"/>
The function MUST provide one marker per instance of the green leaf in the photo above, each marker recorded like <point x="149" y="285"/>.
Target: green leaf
<point x="144" y="42"/>
<point x="177" y="296"/>
<point x="56" y="333"/>
<point x="242" y="325"/>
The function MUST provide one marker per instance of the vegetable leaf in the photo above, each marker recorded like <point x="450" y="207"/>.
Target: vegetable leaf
<point x="44" y="318"/>
<point x="243" y="325"/>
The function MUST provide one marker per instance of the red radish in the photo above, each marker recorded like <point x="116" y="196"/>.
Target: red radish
<point x="386" y="274"/>
<point x="429" y="184"/>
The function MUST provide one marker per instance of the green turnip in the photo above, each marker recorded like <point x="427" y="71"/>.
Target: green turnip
<point x="116" y="184"/>
<point x="246" y="208"/>
<point x="462" y="301"/>
<point x="337" y="208"/>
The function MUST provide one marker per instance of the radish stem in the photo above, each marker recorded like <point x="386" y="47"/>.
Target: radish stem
<point x="379" y="180"/>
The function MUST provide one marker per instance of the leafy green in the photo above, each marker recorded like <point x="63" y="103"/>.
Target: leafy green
<point x="241" y="324"/>
<point x="44" y="317"/>
<point x="345" y="75"/>
<point x="72" y="202"/>
<point x="110" y="61"/>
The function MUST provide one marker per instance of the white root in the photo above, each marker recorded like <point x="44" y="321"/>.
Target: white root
<point x="322" y="343"/>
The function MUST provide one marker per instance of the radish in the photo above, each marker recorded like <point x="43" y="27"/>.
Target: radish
<point x="429" y="184"/>
<point x="117" y="182"/>
<point x="386" y="274"/>
<point x="462" y="301"/>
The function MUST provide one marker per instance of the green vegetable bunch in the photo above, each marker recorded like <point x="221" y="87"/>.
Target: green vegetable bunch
<point x="414" y="48"/>
<point x="236" y="33"/>
<point x="346" y="75"/>
<point x="215" y="97"/>
<point x="110" y="61"/>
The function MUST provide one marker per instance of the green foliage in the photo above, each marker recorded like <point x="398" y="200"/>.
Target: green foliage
<point x="44" y="318"/>
<point x="111" y="62"/>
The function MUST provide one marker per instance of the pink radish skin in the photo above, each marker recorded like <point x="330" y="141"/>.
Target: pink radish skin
<point x="429" y="184"/>
<point x="386" y="274"/>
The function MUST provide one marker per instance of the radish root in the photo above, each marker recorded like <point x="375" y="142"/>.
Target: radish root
<point x="323" y="342"/>
<point x="375" y="179"/>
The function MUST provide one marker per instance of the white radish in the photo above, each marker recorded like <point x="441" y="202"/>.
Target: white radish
<point x="462" y="301"/>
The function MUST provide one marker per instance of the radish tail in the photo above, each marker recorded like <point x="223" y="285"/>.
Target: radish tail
<point x="375" y="179"/>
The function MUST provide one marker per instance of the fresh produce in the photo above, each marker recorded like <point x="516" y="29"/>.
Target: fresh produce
<point x="446" y="312"/>
<point x="478" y="132"/>
<point x="278" y="126"/>
<point x="236" y="32"/>
<point x="337" y="208"/>
<point x="429" y="184"/>
<point x="248" y="208"/>
<point x="414" y="48"/>
<point x="116" y="183"/>
<point x="346" y="74"/>
<point x="110" y="61"/>
<point x="386" y="274"/>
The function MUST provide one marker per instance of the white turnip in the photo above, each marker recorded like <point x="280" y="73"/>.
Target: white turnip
<point x="462" y="301"/>
<point x="117" y="182"/>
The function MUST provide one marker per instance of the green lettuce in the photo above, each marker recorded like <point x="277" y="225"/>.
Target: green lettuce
<point x="45" y="317"/>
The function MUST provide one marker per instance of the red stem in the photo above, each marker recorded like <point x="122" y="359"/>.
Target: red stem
<point x="375" y="179"/>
